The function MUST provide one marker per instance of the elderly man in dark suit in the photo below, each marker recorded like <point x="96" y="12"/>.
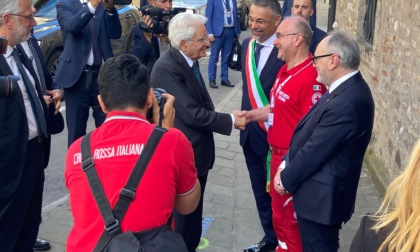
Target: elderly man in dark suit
<point x="259" y="52"/>
<point x="24" y="134"/>
<point x="32" y="59"/>
<point x="324" y="162"/>
<point x="86" y="29"/>
<point x="178" y="73"/>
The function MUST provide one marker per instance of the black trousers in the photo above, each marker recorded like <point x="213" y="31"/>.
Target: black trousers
<point x="189" y="226"/>
<point x="318" y="237"/>
<point x="20" y="214"/>
<point x="82" y="96"/>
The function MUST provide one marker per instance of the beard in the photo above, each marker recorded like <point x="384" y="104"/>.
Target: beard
<point x="21" y="34"/>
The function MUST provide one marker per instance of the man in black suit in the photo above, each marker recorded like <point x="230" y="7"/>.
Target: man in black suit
<point x="178" y="73"/>
<point x="324" y="162"/>
<point x="86" y="29"/>
<point x="24" y="136"/>
<point x="304" y="8"/>
<point x="31" y="53"/>
<point x="264" y="17"/>
<point x="148" y="46"/>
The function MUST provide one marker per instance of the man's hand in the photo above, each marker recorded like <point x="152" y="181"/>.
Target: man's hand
<point x="211" y="38"/>
<point x="56" y="97"/>
<point x="277" y="185"/>
<point x="168" y="111"/>
<point x="108" y="4"/>
<point x="240" y="119"/>
<point x="147" y="20"/>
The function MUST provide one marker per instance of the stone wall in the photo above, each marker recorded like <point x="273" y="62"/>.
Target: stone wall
<point x="391" y="66"/>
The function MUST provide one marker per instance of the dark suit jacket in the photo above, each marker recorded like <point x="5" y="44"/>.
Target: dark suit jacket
<point x="317" y="36"/>
<point x="367" y="240"/>
<point x="74" y="18"/>
<point x="216" y="15"/>
<point x="147" y="52"/>
<point x="253" y="132"/>
<point x="14" y="136"/>
<point x="326" y="153"/>
<point x="195" y="115"/>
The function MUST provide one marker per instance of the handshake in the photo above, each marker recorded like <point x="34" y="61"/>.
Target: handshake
<point x="241" y="119"/>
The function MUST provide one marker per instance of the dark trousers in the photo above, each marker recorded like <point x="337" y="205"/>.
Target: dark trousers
<point x="257" y="168"/>
<point x="79" y="98"/>
<point x="20" y="214"/>
<point x="189" y="226"/>
<point x="223" y="42"/>
<point x="318" y="237"/>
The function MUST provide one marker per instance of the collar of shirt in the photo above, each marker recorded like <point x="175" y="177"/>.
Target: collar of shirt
<point x="269" y="42"/>
<point x="124" y="115"/>
<point x="295" y="70"/>
<point x="9" y="51"/>
<point x="189" y="61"/>
<point x="340" y="80"/>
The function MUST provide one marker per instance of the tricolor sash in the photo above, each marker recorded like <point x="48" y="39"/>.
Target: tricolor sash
<point x="255" y="90"/>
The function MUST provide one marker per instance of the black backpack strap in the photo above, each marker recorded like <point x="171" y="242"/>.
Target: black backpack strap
<point x="128" y="193"/>
<point x="95" y="185"/>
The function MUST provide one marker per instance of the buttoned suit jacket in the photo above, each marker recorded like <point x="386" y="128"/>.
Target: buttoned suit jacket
<point x="253" y="132"/>
<point x="326" y="153"/>
<point x="216" y="17"/>
<point x="195" y="115"/>
<point x="74" y="19"/>
<point x="14" y="135"/>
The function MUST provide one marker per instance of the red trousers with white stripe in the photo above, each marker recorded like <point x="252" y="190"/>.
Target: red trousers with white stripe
<point x="284" y="216"/>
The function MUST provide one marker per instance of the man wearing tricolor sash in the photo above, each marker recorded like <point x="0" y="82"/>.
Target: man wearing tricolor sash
<point x="294" y="92"/>
<point x="258" y="74"/>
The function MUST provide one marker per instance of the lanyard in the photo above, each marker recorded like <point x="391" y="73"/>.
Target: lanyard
<point x="276" y="90"/>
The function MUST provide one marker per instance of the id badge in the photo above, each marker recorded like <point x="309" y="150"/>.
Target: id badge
<point x="270" y="119"/>
<point x="228" y="13"/>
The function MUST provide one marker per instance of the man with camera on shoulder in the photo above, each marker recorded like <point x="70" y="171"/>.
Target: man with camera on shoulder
<point x="87" y="26"/>
<point x="149" y="46"/>
<point x="170" y="178"/>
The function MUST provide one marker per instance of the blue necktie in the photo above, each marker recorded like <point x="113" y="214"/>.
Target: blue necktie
<point x="257" y="53"/>
<point x="229" y="18"/>
<point x="33" y="97"/>
<point x="197" y="74"/>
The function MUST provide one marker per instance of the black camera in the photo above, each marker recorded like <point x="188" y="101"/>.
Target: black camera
<point x="8" y="86"/>
<point x="157" y="92"/>
<point x="3" y="45"/>
<point x="160" y="18"/>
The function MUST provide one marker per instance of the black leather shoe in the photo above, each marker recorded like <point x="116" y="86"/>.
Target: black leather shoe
<point x="261" y="247"/>
<point x="227" y="83"/>
<point x="213" y="84"/>
<point x="41" y="245"/>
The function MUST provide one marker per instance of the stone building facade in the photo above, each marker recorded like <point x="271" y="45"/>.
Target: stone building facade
<point x="391" y="66"/>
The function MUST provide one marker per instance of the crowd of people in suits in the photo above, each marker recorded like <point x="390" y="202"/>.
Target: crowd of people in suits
<point x="306" y="119"/>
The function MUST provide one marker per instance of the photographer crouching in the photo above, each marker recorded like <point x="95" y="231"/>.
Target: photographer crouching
<point x="151" y="34"/>
<point x="169" y="180"/>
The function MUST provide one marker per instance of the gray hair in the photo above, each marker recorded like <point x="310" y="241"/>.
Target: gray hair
<point x="274" y="6"/>
<point x="8" y="6"/>
<point x="346" y="47"/>
<point x="182" y="27"/>
<point x="302" y="26"/>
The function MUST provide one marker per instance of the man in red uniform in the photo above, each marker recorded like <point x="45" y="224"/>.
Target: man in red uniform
<point x="170" y="180"/>
<point x="294" y="92"/>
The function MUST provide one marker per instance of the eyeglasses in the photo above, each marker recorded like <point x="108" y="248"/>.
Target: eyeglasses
<point x="321" y="56"/>
<point x="202" y="40"/>
<point x="30" y="17"/>
<point x="279" y="35"/>
<point x="259" y="21"/>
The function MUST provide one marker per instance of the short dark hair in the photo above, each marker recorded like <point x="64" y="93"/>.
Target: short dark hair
<point x="123" y="82"/>
<point x="273" y="5"/>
